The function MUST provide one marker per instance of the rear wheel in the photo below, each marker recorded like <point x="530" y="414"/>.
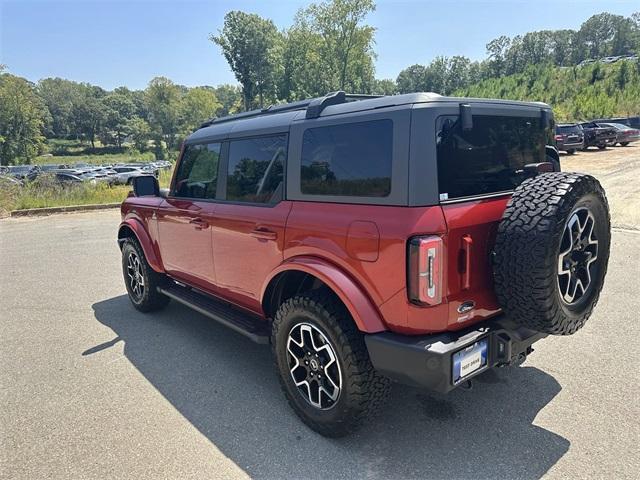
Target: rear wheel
<point x="324" y="366"/>
<point x="571" y="152"/>
<point x="602" y="147"/>
<point x="141" y="280"/>
<point x="624" y="144"/>
<point x="552" y="251"/>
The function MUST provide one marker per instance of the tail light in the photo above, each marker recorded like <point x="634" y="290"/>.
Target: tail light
<point x="425" y="264"/>
<point x="559" y="137"/>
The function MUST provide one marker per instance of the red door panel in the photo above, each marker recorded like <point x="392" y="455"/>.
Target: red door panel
<point x="248" y="242"/>
<point x="184" y="228"/>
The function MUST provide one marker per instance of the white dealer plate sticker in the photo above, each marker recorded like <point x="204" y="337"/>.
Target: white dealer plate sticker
<point x="469" y="360"/>
<point x="470" y="364"/>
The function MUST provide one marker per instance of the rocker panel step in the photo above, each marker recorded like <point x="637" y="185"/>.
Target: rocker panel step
<point x="246" y="323"/>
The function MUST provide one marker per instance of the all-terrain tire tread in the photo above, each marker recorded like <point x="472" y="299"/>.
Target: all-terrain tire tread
<point x="152" y="299"/>
<point x="525" y="250"/>
<point x="367" y="389"/>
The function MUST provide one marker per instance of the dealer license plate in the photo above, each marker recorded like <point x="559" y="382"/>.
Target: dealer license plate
<point x="470" y="360"/>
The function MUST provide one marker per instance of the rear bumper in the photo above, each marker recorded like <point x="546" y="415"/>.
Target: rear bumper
<point x="427" y="361"/>
<point x="570" y="146"/>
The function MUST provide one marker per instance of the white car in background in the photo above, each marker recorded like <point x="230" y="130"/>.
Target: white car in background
<point x="125" y="175"/>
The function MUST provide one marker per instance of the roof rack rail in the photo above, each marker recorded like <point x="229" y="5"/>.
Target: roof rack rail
<point x="314" y="107"/>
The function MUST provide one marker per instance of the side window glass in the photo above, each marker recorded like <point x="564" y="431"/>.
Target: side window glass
<point x="255" y="170"/>
<point x="351" y="159"/>
<point x="197" y="174"/>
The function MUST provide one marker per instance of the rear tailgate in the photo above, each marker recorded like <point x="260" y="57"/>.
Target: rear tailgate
<point x="478" y="168"/>
<point x="471" y="235"/>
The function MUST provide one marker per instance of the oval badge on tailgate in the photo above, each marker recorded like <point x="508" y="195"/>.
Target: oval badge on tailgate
<point x="466" y="306"/>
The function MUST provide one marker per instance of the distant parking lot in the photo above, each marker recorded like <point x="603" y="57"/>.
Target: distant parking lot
<point x="618" y="169"/>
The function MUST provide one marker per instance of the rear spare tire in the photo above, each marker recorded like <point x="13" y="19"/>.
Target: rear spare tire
<point x="551" y="252"/>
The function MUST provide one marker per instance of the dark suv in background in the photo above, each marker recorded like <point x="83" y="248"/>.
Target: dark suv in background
<point x="569" y="137"/>
<point x="596" y="136"/>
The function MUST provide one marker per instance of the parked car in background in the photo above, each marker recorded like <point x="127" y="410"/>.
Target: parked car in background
<point x="633" y="122"/>
<point x="595" y="136"/>
<point x="67" y="178"/>
<point x="9" y="181"/>
<point x="126" y="174"/>
<point x="24" y="172"/>
<point x="569" y="137"/>
<point x="624" y="134"/>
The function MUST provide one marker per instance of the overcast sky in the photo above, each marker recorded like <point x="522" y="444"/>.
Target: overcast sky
<point x="113" y="43"/>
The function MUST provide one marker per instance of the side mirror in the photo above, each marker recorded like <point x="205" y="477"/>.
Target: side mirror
<point x="466" y="119"/>
<point x="145" y="186"/>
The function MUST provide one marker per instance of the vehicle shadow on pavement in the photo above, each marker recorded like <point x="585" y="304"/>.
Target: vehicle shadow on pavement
<point x="227" y="388"/>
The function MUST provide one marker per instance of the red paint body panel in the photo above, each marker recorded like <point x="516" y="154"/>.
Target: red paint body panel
<point x="471" y="234"/>
<point x="136" y="215"/>
<point x="185" y="240"/>
<point x="248" y="245"/>
<point x="363" y="311"/>
<point x="360" y="251"/>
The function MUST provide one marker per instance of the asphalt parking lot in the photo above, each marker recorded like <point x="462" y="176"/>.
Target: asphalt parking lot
<point x="90" y="388"/>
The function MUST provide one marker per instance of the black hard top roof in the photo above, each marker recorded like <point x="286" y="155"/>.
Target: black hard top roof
<point x="279" y="117"/>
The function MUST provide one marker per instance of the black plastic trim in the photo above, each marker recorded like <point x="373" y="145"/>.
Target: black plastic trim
<point x="250" y="325"/>
<point x="426" y="361"/>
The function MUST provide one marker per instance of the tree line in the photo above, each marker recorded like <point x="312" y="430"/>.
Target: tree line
<point x="328" y="47"/>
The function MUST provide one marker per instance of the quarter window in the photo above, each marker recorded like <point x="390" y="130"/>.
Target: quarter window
<point x="353" y="159"/>
<point x="255" y="170"/>
<point x="197" y="174"/>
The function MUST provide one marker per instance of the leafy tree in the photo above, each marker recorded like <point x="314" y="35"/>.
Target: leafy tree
<point x="412" y="79"/>
<point x="497" y="53"/>
<point x="579" y="93"/>
<point x="337" y="42"/>
<point x="385" y="86"/>
<point x="119" y="109"/>
<point x="164" y="100"/>
<point x="140" y="133"/>
<point x="230" y="98"/>
<point x="198" y="105"/>
<point x="252" y="46"/>
<point x="59" y="95"/>
<point x="88" y="112"/>
<point x="22" y="119"/>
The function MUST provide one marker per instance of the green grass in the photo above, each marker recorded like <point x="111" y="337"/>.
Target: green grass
<point x="96" y="159"/>
<point x="46" y="192"/>
<point x="70" y="152"/>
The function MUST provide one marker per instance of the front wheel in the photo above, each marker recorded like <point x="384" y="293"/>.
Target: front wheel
<point x="571" y="152"/>
<point x="624" y="144"/>
<point x="324" y="366"/>
<point x="602" y="147"/>
<point x="141" y="280"/>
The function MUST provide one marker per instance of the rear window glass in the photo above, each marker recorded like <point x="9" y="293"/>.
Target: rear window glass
<point x="568" y="129"/>
<point x="352" y="159"/>
<point x="490" y="157"/>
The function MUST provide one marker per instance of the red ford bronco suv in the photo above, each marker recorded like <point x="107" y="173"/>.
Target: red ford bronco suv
<point x="415" y="238"/>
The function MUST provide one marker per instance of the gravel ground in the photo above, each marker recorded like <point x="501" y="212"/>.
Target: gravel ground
<point x="618" y="169"/>
<point x="90" y="388"/>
